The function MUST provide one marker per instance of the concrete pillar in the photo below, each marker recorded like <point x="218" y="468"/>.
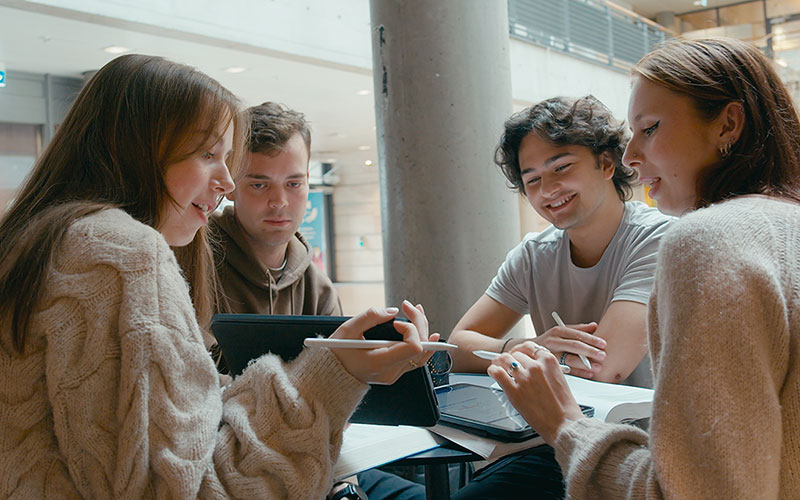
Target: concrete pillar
<point x="442" y="92"/>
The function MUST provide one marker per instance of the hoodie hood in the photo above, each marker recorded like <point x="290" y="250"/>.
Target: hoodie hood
<point x="239" y="255"/>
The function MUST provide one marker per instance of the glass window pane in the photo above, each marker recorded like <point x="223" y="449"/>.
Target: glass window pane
<point x="19" y="148"/>
<point x="780" y="8"/>
<point x="746" y="13"/>
<point x="699" y="21"/>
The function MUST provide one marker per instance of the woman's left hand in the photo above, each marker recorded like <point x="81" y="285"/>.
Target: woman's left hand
<point x="384" y="365"/>
<point x="538" y="390"/>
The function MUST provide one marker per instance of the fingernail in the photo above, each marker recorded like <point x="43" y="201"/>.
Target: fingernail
<point x="407" y="303"/>
<point x="392" y="310"/>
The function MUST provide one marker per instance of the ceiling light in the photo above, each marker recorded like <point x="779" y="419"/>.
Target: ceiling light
<point x="701" y="3"/>
<point x="235" y="69"/>
<point x="363" y="148"/>
<point x="116" y="49"/>
<point x="368" y="163"/>
<point x="363" y="92"/>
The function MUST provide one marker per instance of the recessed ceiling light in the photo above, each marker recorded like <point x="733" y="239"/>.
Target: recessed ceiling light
<point x="701" y="3"/>
<point x="364" y="148"/>
<point x="235" y="69"/>
<point x="116" y="49"/>
<point x="363" y="92"/>
<point x="368" y="163"/>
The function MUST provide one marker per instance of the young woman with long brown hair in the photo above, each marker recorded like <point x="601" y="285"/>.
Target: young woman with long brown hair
<point x="108" y="390"/>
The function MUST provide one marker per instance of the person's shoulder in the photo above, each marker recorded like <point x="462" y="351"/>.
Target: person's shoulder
<point x="639" y="214"/>
<point x="111" y="235"/>
<point x="740" y="215"/>
<point x="747" y="230"/>
<point x="537" y="244"/>
<point x="113" y="225"/>
<point x="319" y="282"/>
<point x="551" y="235"/>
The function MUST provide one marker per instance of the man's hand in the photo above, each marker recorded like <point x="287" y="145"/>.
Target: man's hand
<point x="573" y="340"/>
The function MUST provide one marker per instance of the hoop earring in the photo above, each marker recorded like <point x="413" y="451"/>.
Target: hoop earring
<point x="725" y="149"/>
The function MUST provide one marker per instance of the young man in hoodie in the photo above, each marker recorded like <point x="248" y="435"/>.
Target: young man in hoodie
<point x="264" y="263"/>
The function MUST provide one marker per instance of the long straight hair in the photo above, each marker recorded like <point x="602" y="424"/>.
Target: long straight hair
<point x="713" y="72"/>
<point x="137" y="116"/>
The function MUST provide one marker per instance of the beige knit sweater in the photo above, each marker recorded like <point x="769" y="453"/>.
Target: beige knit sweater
<point x="116" y="396"/>
<point x="724" y="326"/>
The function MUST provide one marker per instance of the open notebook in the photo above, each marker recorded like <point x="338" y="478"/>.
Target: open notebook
<point x="366" y="446"/>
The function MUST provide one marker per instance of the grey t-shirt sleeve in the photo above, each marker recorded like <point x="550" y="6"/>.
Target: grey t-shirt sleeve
<point x="512" y="284"/>
<point x="638" y="273"/>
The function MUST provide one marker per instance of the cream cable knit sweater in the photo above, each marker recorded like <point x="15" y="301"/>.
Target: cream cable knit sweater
<point x="116" y="396"/>
<point x="724" y="325"/>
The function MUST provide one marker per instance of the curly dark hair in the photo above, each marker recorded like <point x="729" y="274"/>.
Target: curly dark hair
<point x="272" y="125"/>
<point x="565" y="121"/>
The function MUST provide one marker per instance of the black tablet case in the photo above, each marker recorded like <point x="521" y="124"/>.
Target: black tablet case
<point x="243" y="337"/>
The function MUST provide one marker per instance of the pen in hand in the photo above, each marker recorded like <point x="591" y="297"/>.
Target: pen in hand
<point x="583" y="358"/>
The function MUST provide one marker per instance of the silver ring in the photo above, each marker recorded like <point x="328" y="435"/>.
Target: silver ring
<point x="563" y="357"/>
<point x="537" y="348"/>
<point x="514" y="365"/>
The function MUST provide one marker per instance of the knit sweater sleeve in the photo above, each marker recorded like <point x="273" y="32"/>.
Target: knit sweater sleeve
<point x="718" y="334"/>
<point x="142" y="414"/>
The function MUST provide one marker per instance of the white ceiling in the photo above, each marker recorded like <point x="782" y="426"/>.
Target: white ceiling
<point x="342" y="120"/>
<point x="649" y="8"/>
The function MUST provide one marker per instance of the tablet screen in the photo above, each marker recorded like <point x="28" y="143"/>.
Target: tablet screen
<point x="480" y="404"/>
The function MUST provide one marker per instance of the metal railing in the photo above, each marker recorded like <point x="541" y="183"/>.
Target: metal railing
<point x="590" y="29"/>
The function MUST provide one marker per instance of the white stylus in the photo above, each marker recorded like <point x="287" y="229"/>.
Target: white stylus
<point x="373" y="344"/>
<point x="486" y="354"/>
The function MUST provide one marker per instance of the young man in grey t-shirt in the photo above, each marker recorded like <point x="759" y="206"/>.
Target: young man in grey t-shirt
<point x="594" y="265"/>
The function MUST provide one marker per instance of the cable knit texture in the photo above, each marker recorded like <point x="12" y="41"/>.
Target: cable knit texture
<point x="115" y="395"/>
<point x="724" y="329"/>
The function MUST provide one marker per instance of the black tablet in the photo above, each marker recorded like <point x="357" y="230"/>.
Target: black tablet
<point x="485" y="411"/>
<point x="243" y="337"/>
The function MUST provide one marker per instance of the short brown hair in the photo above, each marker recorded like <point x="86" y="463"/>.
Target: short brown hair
<point x="567" y="121"/>
<point x="713" y="72"/>
<point x="272" y="125"/>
